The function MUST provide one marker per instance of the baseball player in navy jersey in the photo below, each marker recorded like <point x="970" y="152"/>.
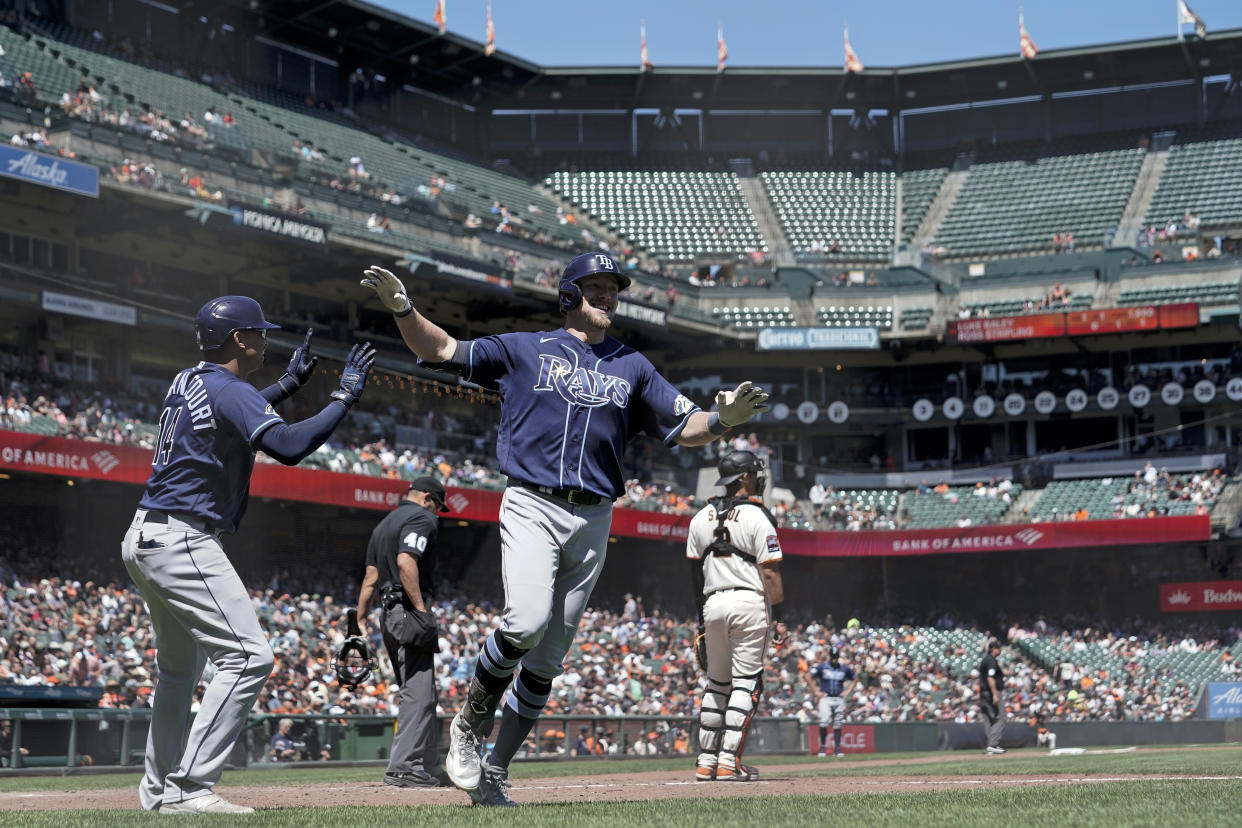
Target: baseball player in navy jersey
<point x="735" y="568"/>
<point x="831" y="677"/>
<point x="212" y="424"/>
<point x="571" y="399"/>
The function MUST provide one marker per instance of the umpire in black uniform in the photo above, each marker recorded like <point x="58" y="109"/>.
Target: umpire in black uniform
<point x="991" y="705"/>
<point x="400" y="565"/>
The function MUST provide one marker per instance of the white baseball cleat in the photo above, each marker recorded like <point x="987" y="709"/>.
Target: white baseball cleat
<point x="463" y="764"/>
<point x="209" y="804"/>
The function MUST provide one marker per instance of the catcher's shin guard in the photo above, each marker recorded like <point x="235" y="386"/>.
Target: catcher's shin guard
<point x="712" y="717"/>
<point x="743" y="702"/>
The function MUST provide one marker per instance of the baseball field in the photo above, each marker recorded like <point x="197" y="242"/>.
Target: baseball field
<point x="1105" y="788"/>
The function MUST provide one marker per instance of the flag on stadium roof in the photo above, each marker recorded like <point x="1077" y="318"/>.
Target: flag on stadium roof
<point x="722" y="51"/>
<point x="644" y="60"/>
<point x="490" y="45"/>
<point x="1025" y="45"/>
<point x="852" y="63"/>
<point x="1184" y="16"/>
<point x="439" y="17"/>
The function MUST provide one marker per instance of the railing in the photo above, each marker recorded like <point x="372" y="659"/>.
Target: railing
<point x="60" y="737"/>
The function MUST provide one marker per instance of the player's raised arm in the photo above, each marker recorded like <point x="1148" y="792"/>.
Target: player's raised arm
<point x="426" y="339"/>
<point x="732" y="409"/>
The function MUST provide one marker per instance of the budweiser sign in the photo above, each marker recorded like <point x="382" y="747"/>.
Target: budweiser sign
<point x="1201" y="596"/>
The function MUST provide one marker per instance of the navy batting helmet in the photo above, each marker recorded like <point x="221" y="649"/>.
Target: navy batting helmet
<point x="737" y="463"/>
<point x="217" y="320"/>
<point x="582" y="266"/>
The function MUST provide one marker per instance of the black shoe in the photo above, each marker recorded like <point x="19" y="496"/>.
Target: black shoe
<point x="418" y="779"/>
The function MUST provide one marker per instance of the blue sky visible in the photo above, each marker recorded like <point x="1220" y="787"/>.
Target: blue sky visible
<point x="792" y="33"/>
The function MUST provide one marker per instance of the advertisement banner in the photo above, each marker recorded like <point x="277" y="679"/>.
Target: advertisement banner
<point x="640" y="312"/>
<point x="817" y="339"/>
<point x="1112" y="320"/>
<point x="470" y="269"/>
<point x="1201" y="596"/>
<point x="49" y="171"/>
<point x="63" y="457"/>
<point x="1182" y="315"/>
<point x="294" y="228"/>
<point x="89" y="308"/>
<point x="1225" y="700"/>
<point x="1073" y="323"/>
<point x="854" y="739"/>
<point x="1015" y="537"/>
<point x="1004" y="328"/>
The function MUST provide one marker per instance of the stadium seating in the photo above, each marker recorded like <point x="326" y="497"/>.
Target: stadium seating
<point x="1064" y="497"/>
<point x="1015" y="206"/>
<point x="1016" y="307"/>
<point x="755" y="317"/>
<point x="855" y="209"/>
<point x="958" y="651"/>
<point x="856" y="316"/>
<point x="842" y="506"/>
<point x="272" y="129"/>
<point x="674" y="215"/>
<point x="1200" y="177"/>
<point x="957" y="504"/>
<point x="1145" y="663"/>
<point x="1209" y="293"/>
<point x="918" y="191"/>
<point x="913" y="319"/>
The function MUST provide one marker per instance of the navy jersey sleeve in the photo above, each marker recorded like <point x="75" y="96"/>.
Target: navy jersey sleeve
<point x="661" y="410"/>
<point x="849" y="673"/>
<point x="487" y="360"/>
<point x="241" y="405"/>
<point x="418" y="534"/>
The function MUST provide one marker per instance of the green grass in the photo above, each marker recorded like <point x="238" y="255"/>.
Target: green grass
<point x="1191" y="762"/>
<point x="1106" y="805"/>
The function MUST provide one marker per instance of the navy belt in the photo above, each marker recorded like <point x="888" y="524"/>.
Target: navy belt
<point x="735" y="589"/>
<point x="574" y="496"/>
<point x="191" y="520"/>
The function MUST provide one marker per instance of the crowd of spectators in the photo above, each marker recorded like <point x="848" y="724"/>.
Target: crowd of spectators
<point x="625" y="662"/>
<point x="1058" y="298"/>
<point x="849" y="511"/>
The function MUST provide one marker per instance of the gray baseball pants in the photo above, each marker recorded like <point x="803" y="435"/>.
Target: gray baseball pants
<point x="200" y="610"/>
<point x="994" y="721"/>
<point x="552" y="553"/>
<point x="416" y="744"/>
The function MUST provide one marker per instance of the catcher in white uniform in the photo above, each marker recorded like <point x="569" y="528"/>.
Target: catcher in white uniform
<point x="735" y="567"/>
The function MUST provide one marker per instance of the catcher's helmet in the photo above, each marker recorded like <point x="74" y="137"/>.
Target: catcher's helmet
<point x="735" y="464"/>
<point x="354" y="663"/>
<point x="217" y="319"/>
<point x="586" y="265"/>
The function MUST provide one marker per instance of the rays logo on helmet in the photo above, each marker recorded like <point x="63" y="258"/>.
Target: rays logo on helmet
<point x="580" y="385"/>
<point x="604" y="262"/>
<point x="682" y="405"/>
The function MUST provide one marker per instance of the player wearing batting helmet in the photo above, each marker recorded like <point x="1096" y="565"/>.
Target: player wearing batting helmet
<point x="212" y="424"/>
<point x="735" y="559"/>
<point x="571" y="399"/>
<point x="830" y="679"/>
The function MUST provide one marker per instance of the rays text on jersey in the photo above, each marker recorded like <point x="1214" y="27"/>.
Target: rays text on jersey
<point x="582" y="386"/>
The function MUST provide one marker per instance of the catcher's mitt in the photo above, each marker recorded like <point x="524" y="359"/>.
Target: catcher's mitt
<point x="700" y="649"/>
<point x="355" y="661"/>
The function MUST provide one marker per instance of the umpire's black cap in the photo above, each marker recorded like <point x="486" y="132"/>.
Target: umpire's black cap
<point x="737" y="463"/>
<point x="432" y="487"/>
